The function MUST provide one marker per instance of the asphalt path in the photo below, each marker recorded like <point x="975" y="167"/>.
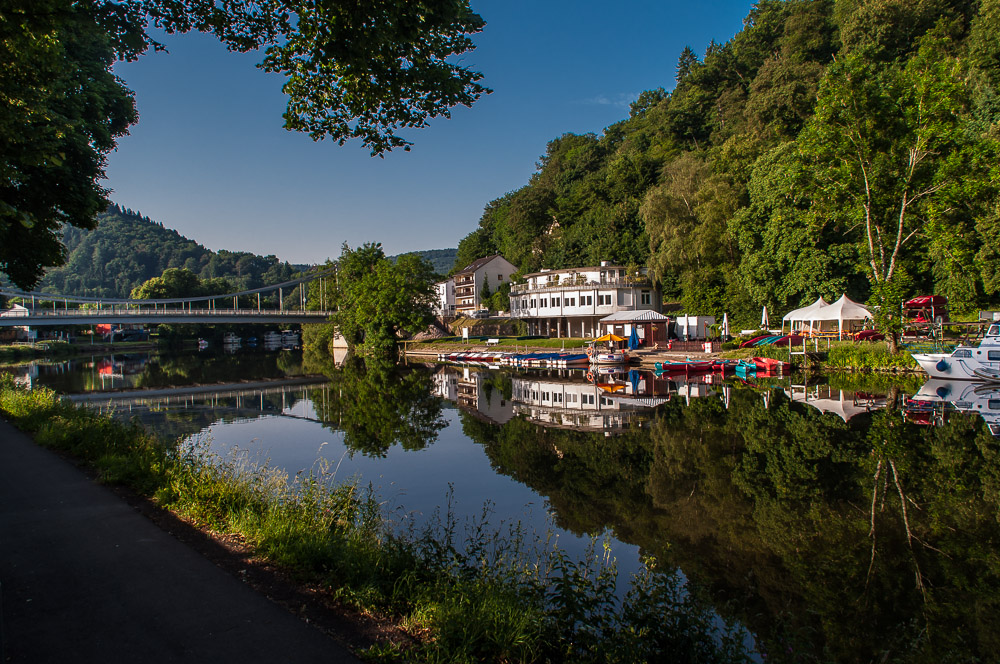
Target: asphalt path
<point x="86" y="578"/>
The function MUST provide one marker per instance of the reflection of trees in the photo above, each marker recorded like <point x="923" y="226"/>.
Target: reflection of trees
<point x="770" y="510"/>
<point x="187" y="369"/>
<point x="378" y="405"/>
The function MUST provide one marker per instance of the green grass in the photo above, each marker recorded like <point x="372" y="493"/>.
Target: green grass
<point x="474" y="595"/>
<point x="868" y="357"/>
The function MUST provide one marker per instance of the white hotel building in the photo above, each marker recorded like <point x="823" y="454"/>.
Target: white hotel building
<point x="570" y="302"/>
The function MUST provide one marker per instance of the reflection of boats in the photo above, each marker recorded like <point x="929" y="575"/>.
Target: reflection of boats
<point x="686" y="367"/>
<point x="202" y="344"/>
<point x="290" y="339"/>
<point x="230" y="339"/>
<point x="762" y="366"/>
<point x="980" y="362"/>
<point x="937" y="396"/>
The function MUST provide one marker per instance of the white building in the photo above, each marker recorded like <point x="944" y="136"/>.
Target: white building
<point x="571" y="302"/>
<point x="492" y="270"/>
<point x="444" y="305"/>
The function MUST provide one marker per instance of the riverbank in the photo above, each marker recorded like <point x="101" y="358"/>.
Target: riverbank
<point x="834" y="356"/>
<point x="446" y="596"/>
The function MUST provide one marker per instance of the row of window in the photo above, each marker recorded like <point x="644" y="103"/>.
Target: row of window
<point x="557" y="397"/>
<point x="645" y="297"/>
<point x="991" y="356"/>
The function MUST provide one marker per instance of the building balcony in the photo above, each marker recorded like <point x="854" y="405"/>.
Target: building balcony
<point x="579" y="284"/>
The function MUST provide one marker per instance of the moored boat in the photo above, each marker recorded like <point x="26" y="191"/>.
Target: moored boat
<point x="980" y="362"/>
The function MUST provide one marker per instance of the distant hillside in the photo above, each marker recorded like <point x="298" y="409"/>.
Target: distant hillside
<point x="127" y="248"/>
<point x="440" y="259"/>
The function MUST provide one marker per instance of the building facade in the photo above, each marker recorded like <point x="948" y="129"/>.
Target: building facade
<point x="571" y="302"/>
<point x="445" y="303"/>
<point x="493" y="270"/>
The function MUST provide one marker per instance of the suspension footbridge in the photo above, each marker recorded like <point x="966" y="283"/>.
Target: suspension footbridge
<point x="254" y="306"/>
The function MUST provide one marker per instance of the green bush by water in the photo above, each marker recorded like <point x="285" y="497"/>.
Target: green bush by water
<point x="482" y="594"/>
<point x="868" y="356"/>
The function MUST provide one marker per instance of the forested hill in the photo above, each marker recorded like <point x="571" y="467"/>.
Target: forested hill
<point x="441" y="260"/>
<point x="831" y="146"/>
<point x="127" y="248"/>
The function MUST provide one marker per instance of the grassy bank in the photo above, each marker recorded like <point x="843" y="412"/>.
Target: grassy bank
<point x="838" y="356"/>
<point x="476" y="594"/>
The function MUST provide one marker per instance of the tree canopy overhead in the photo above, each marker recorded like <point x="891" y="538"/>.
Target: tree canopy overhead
<point x="363" y="69"/>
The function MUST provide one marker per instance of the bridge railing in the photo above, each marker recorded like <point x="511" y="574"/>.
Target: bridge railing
<point x="143" y="311"/>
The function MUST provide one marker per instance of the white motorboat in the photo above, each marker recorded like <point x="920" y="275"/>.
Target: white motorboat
<point x="980" y="362"/>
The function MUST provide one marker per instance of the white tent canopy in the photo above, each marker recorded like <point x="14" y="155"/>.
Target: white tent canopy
<point x="844" y="309"/>
<point x="805" y="313"/>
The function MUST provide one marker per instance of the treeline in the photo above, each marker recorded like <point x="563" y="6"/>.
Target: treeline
<point x="128" y="249"/>
<point x="831" y="146"/>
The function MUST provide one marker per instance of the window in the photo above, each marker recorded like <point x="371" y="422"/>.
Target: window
<point x="645" y="297"/>
<point x="532" y="303"/>
<point x="604" y="300"/>
<point x="993" y="404"/>
<point x="570" y="301"/>
<point x="558" y="397"/>
<point x="993" y="355"/>
<point x="499" y="277"/>
<point x="589" y="300"/>
<point x="544" y="302"/>
<point x="555" y="302"/>
<point x="962" y="353"/>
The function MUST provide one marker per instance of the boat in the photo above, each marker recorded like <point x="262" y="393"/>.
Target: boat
<point x="230" y="339"/>
<point x="611" y="354"/>
<point x="609" y="357"/>
<point x="771" y="366"/>
<point x="980" y="362"/>
<point x="686" y="366"/>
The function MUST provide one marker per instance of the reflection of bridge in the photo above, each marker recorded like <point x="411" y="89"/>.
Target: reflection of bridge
<point x="42" y="309"/>
<point x="232" y="397"/>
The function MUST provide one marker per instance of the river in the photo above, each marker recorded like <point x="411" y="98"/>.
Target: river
<point x="838" y="518"/>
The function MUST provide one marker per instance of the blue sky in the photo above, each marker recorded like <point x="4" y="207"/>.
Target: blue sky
<point x="210" y="158"/>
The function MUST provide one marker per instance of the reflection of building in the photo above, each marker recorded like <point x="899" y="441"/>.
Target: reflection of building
<point x="826" y="399"/>
<point x="474" y="392"/>
<point x="611" y="402"/>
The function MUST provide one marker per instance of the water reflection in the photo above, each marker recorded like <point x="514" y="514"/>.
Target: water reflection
<point x="824" y="514"/>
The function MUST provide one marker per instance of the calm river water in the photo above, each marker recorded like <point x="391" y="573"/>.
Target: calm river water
<point x="839" y="519"/>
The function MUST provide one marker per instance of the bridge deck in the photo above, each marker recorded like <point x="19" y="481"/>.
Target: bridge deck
<point x="38" y="318"/>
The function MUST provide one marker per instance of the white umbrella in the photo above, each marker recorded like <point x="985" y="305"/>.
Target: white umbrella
<point x="763" y="319"/>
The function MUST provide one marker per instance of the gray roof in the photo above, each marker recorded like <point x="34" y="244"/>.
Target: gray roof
<point x="478" y="263"/>
<point x="640" y="315"/>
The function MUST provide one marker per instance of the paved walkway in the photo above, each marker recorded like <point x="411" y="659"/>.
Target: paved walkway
<point x="85" y="578"/>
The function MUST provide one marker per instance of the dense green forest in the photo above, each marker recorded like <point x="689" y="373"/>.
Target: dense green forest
<point x="127" y="249"/>
<point x="830" y="146"/>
